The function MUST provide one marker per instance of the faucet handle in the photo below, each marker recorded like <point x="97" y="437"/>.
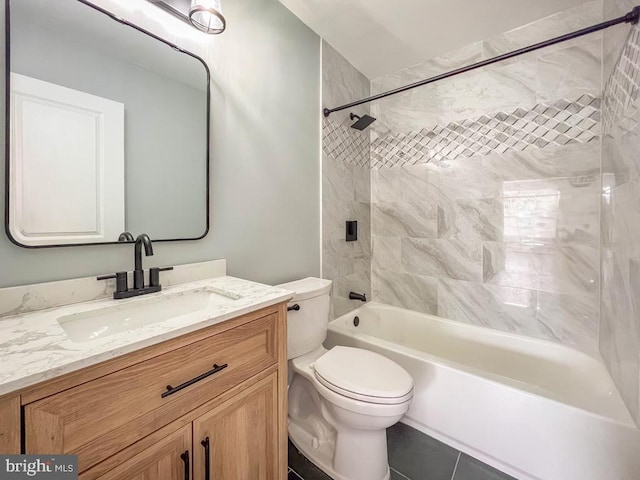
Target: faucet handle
<point x="154" y="275"/>
<point x="122" y="280"/>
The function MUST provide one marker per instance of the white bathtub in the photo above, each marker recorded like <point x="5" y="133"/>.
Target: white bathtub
<point x="531" y="408"/>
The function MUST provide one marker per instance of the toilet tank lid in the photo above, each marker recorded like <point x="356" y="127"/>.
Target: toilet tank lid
<point x="309" y="287"/>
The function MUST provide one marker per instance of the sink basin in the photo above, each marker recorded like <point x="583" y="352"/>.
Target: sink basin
<point x="102" y="322"/>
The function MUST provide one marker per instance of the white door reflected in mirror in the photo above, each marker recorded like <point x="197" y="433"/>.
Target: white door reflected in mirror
<point x="67" y="165"/>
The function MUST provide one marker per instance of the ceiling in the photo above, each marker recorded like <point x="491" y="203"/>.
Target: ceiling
<point x="380" y="36"/>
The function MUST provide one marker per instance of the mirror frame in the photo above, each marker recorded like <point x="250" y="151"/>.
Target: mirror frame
<point x="8" y="128"/>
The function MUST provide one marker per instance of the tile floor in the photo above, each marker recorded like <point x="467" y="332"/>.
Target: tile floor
<point x="412" y="456"/>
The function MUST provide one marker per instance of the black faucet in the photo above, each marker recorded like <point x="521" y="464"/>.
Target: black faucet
<point x="358" y="296"/>
<point x="122" y="287"/>
<point x="138" y="273"/>
<point x="126" y="237"/>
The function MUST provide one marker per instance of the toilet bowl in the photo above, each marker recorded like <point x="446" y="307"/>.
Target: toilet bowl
<point x="340" y="400"/>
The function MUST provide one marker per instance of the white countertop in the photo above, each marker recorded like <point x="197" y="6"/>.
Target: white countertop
<point x="35" y="348"/>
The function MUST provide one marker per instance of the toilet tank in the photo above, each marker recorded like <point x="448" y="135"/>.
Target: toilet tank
<point x="307" y="327"/>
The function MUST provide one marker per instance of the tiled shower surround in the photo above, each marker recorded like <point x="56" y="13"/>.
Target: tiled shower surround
<point x="620" y="251"/>
<point x="485" y="187"/>
<point x="482" y="191"/>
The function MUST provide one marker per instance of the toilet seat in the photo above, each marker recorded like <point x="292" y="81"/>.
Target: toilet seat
<point x="363" y="375"/>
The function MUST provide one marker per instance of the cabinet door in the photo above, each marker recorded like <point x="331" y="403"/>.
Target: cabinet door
<point x="169" y="459"/>
<point x="238" y="440"/>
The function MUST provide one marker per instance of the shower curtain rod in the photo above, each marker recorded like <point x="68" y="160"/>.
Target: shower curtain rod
<point x="632" y="17"/>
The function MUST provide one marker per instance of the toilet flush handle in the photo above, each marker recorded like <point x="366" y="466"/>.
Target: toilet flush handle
<point x="295" y="307"/>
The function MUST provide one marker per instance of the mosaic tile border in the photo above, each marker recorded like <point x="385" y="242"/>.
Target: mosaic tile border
<point x="561" y="123"/>
<point x="345" y="144"/>
<point x="619" y="106"/>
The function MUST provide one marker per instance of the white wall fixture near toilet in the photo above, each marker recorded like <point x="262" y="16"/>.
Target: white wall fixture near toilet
<point x="341" y="400"/>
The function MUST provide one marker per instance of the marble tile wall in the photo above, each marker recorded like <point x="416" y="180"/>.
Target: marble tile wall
<point x="502" y="237"/>
<point x="620" y="200"/>
<point x="346" y="183"/>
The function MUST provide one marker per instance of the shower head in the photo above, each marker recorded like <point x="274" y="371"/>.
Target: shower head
<point x="363" y="121"/>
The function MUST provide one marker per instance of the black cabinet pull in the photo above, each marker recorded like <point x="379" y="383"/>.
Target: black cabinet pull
<point x="171" y="390"/>
<point x="207" y="458"/>
<point x="295" y="307"/>
<point x="185" y="459"/>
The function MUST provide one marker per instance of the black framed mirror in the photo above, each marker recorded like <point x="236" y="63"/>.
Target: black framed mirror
<point x="107" y="129"/>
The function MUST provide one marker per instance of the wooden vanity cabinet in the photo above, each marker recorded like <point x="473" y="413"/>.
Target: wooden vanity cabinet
<point x="208" y="405"/>
<point x="235" y="437"/>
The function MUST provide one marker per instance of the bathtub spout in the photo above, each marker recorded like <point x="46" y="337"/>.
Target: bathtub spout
<point x="358" y="296"/>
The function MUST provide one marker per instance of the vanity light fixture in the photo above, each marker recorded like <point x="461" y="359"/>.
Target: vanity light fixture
<point x="206" y="15"/>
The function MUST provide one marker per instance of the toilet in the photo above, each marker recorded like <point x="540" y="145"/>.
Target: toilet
<point x="340" y="400"/>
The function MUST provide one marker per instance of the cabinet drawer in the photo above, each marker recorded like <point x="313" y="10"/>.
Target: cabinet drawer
<point x="99" y="418"/>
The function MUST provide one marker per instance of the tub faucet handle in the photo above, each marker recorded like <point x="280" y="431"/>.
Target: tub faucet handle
<point x="358" y="296"/>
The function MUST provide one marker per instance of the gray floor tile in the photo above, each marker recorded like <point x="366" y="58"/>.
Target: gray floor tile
<point x="397" y="476"/>
<point x="303" y="467"/>
<point x="293" y="475"/>
<point x="418" y="456"/>
<point x="471" y="469"/>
